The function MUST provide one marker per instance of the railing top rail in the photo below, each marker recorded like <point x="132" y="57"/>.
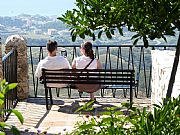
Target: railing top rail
<point x="7" y="55"/>
<point x="123" y="45"/>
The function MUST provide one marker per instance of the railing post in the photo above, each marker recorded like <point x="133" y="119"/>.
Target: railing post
<point x="18" y="42"/>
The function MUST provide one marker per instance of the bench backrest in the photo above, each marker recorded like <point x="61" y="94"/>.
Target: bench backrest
<point x="89" y="76"/>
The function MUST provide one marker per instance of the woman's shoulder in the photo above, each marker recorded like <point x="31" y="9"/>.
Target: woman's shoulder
<point x="78" y="58"/>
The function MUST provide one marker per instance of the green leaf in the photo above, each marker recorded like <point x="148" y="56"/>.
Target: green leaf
<point x="108" y="34"/>
<point x="93" y="121"/>
<point x="108" y="119"/>
<point x="79" y="109"/>
<point x="2" y="133"/>
<point x="164" y="38"/>
<point x="61" y="19"/>
<point x="1" y="98"/>
<point x="1" y="103"/>
<point x="72" y="31"/>
<point x="135" y="36"/>
<point x="87" y="126"/>
<point x="150" y="117"/>
<point x="2" y="124"/>
<point x="144" y="110"/>
<point x="118" y="113"/>
<point x="125" y="104"/>
<point x="86" y="107"/>
<point x="9" y="87"/>
<point x="1" y="95"/>
<point x="135" y="41"/>
<point x="111" y="108"/>
<point x="156" y="105"/>
<point x="15" y="131"/>
<point x="82" y="35"/>
<point x="134" y="108"/>
<point x="120" y="31"/>
<point x="18" y="114"/>
<point x="12" y="85"/>
<point x="112" y="31"/>
<point x="105" y="113"/>
<point x="3" y="82"/>
<point x="74" y="37"/>
<point x="100" y="33"/>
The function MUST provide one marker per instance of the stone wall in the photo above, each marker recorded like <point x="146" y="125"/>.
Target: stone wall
<point x="162" y="62"/>
<point x="22" y="64"/>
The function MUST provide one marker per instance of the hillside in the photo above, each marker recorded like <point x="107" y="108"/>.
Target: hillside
<point x="38" y="29"/>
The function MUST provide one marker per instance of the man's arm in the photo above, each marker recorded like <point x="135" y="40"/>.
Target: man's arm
<point x="68" y="66"/>
<point x="38" y="72"/>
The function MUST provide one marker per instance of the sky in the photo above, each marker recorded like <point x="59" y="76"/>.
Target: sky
<point x="33" y="7"/>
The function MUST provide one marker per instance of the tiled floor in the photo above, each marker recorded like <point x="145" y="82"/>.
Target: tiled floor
<point x="61" y="118"/>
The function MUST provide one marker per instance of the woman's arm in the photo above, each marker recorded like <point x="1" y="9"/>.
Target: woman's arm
<point x="99" y="66"/>
<point x="74" y="64"/>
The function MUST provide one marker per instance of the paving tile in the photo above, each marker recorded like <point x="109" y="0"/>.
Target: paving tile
<point x="61" y="117"/>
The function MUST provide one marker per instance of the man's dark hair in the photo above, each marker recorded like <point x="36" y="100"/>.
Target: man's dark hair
<point x="51" y="46"/>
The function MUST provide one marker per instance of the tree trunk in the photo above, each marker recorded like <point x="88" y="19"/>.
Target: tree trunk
<point x="174" y="69"/>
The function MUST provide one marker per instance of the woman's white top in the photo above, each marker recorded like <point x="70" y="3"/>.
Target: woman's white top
<point x="83" y="61"/>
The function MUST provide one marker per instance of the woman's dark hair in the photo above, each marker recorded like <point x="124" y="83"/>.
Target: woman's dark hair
<point x="87" y="46"/>
<point x="51" y="46"/>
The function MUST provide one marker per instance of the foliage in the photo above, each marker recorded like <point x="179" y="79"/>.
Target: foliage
<point x="4" y="89"/>
<point x="162" y="120"/>
<point x="148" y="18"/>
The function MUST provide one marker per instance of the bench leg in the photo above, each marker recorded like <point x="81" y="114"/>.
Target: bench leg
<point x="114" y="93"/>
<point x="125" y="92"/>
<point x="131" y="96"/>
<point x="102" y="92"/>
<point x="80" y="94"/>
<point x="69" y="92"/>
<point x="46" y="96"/>
<point x="50" y="93"/>
<point x="136" y="91"/>
<point x="57" y="91"/>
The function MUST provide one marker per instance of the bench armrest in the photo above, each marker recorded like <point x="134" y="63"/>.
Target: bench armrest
<point x="41" y="80"/>
<point x="137" y="79"/>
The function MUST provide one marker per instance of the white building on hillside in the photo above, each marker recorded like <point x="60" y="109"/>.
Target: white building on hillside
<point x="37" y="31"/>
<point x="52" y="32"/>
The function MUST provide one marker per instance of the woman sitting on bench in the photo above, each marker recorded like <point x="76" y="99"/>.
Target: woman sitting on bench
<point x="87" y="61"/>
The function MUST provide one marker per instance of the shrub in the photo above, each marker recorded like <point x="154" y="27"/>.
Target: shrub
<point x="162" y="120"/>
<point x="4" y="89"/>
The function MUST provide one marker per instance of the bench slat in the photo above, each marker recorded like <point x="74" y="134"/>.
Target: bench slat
<point x="88" y="73"/>
<point x="87" y="78"/>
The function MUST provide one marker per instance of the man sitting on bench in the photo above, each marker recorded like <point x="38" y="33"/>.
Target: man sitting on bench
<point x="52" y="61"/>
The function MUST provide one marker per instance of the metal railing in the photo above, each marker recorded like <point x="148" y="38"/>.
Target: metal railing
<point x="111" y="56"/>
<point x="9" y="66"/>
